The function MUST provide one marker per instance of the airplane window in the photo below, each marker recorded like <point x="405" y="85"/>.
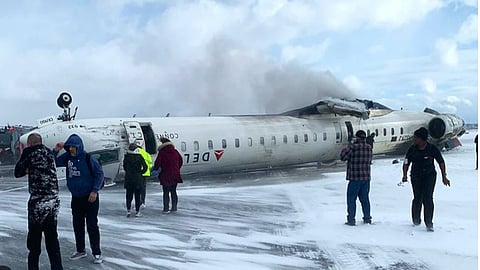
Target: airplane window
<point x="393" y="131"/>
<point x="401" y="131"/>
<point x="376" y="132"/>
<point x="237" y="143"/>
<point x="195" y="145"/>
<point x="210" y="144"/>
<point x="250" y="142"/>
<point x="184" y="146"/>
<point x="314" y="137"/>
<point x="295" y="138"/>
<point x="337" y="136"/>
<point x="262" y="140"/>
<point x="106" y="156"/>
<point x="274" y="140"/>
<point x="384" y="132"/>
<point x="285" y="139"/>
<point x="305" y="137"/>
<point x="324" y="136"/>
<point x="368" y="132"/>
<point x="224" y="143"/>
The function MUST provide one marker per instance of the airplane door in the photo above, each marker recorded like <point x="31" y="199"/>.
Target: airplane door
<point x="338" y="132"/>
<point x="349" y="130"/>
<point x="134" y="133"/>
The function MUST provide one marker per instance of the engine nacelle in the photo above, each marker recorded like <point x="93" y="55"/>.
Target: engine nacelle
<point x="446" y="126"/>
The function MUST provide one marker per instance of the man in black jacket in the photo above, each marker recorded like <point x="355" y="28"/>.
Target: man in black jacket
<point x="38" y="162"/>
<point x="423" y="176"/>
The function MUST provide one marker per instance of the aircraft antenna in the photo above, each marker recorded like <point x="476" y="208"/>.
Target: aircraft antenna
<point x="74" y="114"/>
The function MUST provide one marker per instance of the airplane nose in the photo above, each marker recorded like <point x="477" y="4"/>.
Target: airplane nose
<point x="23" y="139"/>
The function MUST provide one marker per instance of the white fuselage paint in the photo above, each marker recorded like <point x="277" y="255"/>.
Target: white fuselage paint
<point x="236" y="141"/>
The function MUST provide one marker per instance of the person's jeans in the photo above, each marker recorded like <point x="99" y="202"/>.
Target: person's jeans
<point x="167" y="190"/>
<point x="82" y="211"/>
<point x="360" y="189"/>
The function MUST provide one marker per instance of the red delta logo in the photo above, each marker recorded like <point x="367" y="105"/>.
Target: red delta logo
<point x="219" y="154"/>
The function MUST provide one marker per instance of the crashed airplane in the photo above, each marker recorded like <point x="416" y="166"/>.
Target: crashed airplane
<point x="315" y="133"/>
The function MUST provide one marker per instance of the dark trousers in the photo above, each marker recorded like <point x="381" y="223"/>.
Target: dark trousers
<point x="129" y="196"/>
<point x="423" y="187"/>
<point x="167" y="190"/>
<point x="143" y="191"/>
<point x="360" y="189"/>
<point x="34" y="242"/>
<point x="82" y="211"/>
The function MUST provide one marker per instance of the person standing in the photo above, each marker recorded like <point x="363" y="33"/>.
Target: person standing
<point x="84" y="180"/>
<point x="134" y="166"/>
<point x="423" y="176"/>
<point x="169" y="161"/>
<point x="476" y="151"/>
<point x="359" y="157"/>
<point x="148" y="160"/>
<point x="38" y="162"/>
<point x="371" y="139"/>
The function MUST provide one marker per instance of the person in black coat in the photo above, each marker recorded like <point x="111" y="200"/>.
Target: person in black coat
<point x="134" y="166"/>
<point x="43" y="206"/>
<point x="371" y="139"/>
<point x="423" y="176"/>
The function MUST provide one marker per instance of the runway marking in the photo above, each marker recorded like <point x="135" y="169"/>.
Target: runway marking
<point x="13" y="189"/>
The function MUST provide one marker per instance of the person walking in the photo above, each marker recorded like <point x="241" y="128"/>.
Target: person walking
<point x="423" y="176"/>
<point x="134" y="166"/>
<point x="359" y="157"/>
<point x="148" y="160"/>
<point x="84" y="180"/>
<point x="39" y="163"/>
<point x="169" y="161"/>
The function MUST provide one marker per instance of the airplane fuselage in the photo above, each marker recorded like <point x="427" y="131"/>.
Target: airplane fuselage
<point x="235" y="143"/>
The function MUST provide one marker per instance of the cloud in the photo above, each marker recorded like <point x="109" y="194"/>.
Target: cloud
<point x="429" y="86"/>
<point x="225" y="57"/>
<point x="394" y="13"/>
<point x="468" y="32"/>
<point x="447" y="51"/>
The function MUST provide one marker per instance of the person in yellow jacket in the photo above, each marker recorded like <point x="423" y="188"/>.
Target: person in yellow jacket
<point x="148" y="159"/>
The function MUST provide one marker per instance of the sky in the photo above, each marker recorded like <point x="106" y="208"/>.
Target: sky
<point x="270" y="220"/>
<point x="150" y="58"/>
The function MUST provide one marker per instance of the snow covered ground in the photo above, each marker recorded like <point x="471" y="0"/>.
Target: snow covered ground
<point x="270" y="220"/>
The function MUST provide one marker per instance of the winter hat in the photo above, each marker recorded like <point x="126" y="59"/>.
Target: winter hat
<point x="421" y="133"/>
<point x="361" y="134"/>
<point x="132" y="147"/>
<point x="164" y="140"/>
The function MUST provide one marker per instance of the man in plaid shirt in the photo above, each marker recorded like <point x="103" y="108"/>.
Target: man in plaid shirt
<point x="359" y="157"/>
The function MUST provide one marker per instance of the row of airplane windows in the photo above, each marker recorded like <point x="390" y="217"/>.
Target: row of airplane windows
<point x="196" y="145"/>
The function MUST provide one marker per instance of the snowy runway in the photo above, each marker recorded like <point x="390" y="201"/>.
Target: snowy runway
<point x="274" y="220"/>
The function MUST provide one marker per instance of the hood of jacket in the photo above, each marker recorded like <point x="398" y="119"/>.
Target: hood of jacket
<point x="76" y="141"/>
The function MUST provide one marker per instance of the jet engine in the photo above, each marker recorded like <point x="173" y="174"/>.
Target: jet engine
<point x="446" y="126"/>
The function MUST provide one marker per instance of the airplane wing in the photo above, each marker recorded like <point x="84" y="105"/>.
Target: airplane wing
<point x="338" y="106"/>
